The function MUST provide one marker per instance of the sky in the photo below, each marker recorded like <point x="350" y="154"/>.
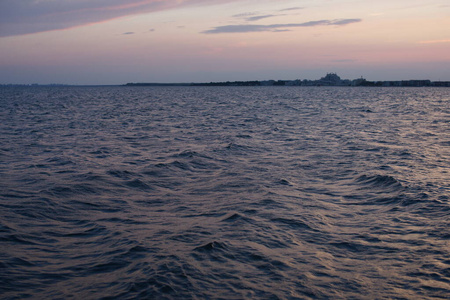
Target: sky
<point x="121" y="41"/>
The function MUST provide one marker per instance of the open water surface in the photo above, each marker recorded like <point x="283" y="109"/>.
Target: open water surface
<point x="224" y="193"/>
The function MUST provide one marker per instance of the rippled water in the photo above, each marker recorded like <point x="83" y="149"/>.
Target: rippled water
<point x="224" y="193"/>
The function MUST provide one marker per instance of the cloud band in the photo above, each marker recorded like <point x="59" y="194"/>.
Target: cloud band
<point x="277" y="27"/>
<point x="19" y="17"/>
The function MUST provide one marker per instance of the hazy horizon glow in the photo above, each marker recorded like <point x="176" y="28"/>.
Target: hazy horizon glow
<point x="118" y="41"/>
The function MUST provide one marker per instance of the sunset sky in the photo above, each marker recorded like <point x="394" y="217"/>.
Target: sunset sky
<point x="120" y="41"/>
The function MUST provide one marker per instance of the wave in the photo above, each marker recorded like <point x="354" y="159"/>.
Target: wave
<point x="211" y="246"/>
<point x="379" y="181"/>
<point x="223" y="193"/>
<point x="382" y="190"/>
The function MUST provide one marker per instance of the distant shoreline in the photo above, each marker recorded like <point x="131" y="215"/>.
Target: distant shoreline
<point x="403" y="83"/>
<point x="331" y="79"/>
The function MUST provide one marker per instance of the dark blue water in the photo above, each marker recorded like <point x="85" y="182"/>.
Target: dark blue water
<point x="224" y="193"/>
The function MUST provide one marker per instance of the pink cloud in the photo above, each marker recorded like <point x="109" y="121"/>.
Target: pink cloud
<point x="435" y="41"/>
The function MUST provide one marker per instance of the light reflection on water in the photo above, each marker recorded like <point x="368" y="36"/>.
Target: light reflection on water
<point x="290" y="192"/>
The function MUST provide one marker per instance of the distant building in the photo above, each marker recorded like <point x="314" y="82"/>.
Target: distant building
<point x="358" y="82"/>
<point x="441" y="83"/>
<point x="296" y="82"/>
<point x="418" y="83"/>
<point x="330" y="79"/>
<point x="392" y="83"/>
<point x="267" y="82"/>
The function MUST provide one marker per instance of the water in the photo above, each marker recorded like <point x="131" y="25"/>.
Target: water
<point x="224" y="193"/>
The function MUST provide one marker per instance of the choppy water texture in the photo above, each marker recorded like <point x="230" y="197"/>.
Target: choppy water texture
<point x="224" y="193"/>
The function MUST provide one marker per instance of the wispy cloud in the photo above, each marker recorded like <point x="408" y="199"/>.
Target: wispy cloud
<point x="292" y="8"/>
<point x="277" y="27"/>
<point x="344" y="21"/>
<point x="257" y="18"/>
<point x="281" y="30"/>
<point x="31" y="16"/>
<point x="435" y="41"/>
<point x="245" y="15"/>
<point x="254" y="16"/>
<point x="128" y="33"/>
